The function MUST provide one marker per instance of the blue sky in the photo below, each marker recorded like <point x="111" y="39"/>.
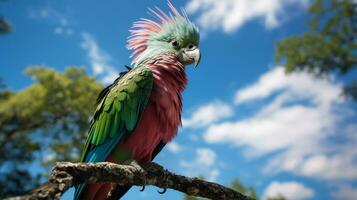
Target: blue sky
<point x="243" y="117"/>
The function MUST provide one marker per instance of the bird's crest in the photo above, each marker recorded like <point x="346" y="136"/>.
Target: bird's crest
<point x="144" y="29"/>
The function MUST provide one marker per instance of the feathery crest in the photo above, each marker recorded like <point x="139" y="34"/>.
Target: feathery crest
<point x="143" y="29"/>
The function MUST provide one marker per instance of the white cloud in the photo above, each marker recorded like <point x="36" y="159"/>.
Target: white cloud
<point x="340" y="165"/>
<point x="213" y="174"/>
<point x="301" y="115"/>
<point x="230" y="15"/>
<point x="205" y="157"/>
<point x="296" y="85"/>
<point x="290" y="190"/>
<point x="58" y="30"/>
<point x="202" y="165"/>
<point x="207" y="114"/>
<point x="268" y="132"/>
<point x="277" y="118"/>
<point x="98" y="59"/>
<point x="174" y="147"/>
<point x="62" y="25"/>
<point x="346" y="193"/>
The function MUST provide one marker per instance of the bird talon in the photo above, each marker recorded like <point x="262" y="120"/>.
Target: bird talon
<point x="162" y="192"/>
<point x="165" y="182"/>
<point x="142" y="189"/>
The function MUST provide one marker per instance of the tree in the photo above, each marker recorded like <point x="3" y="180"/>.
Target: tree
<point x="5" y="26"/>
<point x="43" y="123"/>
<point x="329" y="45"/>
<point x="248" y="191"/>
<point x="4" y="93"/>
<point x="278" y="197"/>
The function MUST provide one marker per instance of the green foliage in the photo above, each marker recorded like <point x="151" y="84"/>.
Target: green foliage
<point x="351" y="90"/>
<point x="46" y="121"/>
<point x="278" y="197"/>
<point x="4" y="93"/>
<point x="248" y="191"/>
<point x="330" y="44"/>
<point x="5" y="26"/>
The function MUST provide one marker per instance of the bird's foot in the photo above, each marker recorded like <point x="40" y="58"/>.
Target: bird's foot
<point x="131" y="162"/>
<point x="163" y="191"/>
<point x="139" y="169"/>
<point x="165" y="182"/>
<point x="142" y="189"/>
<point x="135" y="165"/>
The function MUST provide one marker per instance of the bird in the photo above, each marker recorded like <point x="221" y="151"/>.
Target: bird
<point x="140" y="112"/>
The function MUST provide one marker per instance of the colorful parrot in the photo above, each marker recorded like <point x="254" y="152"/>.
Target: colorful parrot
<point x="141" y="111"/>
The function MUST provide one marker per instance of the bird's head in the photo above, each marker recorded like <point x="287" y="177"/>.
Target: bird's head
<point x="173" y="33"/>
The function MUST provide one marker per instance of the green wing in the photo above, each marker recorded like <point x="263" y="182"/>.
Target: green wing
<point x="118" y="111"/>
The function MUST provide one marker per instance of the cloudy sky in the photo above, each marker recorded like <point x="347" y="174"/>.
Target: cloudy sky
<point x="243" y="117"/>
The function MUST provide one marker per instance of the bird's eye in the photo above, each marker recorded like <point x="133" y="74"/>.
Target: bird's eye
<point x="190" y="46"/>
<point x="174" y="43"/>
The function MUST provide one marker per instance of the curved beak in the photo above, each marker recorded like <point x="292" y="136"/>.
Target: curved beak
<point x="191" y="56"/>
<point x="196" y="54"/>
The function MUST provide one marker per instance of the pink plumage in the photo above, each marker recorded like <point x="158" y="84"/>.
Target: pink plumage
<point x="161" y="117"/>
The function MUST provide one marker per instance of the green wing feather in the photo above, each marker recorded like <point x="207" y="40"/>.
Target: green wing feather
<point x="119" y="108"/>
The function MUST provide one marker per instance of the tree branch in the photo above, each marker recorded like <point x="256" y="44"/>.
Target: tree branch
<point x="65" y="175"/>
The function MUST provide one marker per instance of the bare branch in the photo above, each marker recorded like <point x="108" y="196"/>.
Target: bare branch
<point x="66" y="174"/>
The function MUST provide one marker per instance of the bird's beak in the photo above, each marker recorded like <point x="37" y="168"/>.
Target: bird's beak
<point x="192" y="56"/>
<point x="197" y="57"/>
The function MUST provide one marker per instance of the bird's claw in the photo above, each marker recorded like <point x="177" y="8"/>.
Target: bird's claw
<point x="134" y="164"/>
<point x="163" y="191"/>
<point x="138" y="168"/>
<point x="142" y="189"/>
<point x="165" y="183"/>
